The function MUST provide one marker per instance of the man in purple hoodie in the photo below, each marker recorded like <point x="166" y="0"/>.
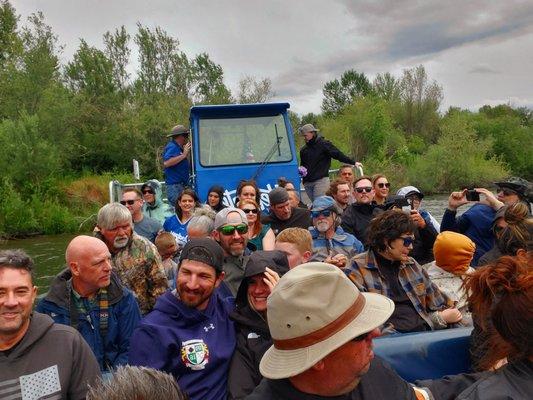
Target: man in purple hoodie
<point x="189" y="334"/>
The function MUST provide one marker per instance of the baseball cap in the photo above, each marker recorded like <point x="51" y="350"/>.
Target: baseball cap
<point x="204" y="250"/>
<point x="307" y="128"/>
<point x="407" y="191"/>
<point x="325" y="203"/>
<point x="278" y="195"/>
<point x="221" y="218"/>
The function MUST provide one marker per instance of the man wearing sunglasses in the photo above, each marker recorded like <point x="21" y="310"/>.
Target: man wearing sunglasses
<point x="357" y="216"/>
<point x="330" y="243"/>
<point x="231" y="232"/>
<point x="154" y="206"/>
<point x="176" y="163"/>
<point x="142" y="225"/>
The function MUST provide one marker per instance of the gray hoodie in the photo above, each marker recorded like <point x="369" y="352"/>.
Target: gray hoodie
<point x="51" y="361"/>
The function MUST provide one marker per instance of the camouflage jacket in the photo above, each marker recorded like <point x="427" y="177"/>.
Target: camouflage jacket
<point x="140" y="268"/>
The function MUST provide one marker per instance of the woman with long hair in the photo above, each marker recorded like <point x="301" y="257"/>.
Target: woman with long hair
<point x="261" y="236"/>
<point x="502" y="294"/>
<point x="514" y="238"/>
<point x="186" y="202"/>
<point x="248" y="190"/>
<point x="215" y="194"/>
<point x="381" y="188"/>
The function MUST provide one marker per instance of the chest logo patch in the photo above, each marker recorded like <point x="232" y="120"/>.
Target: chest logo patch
<point x="194" y="354"/>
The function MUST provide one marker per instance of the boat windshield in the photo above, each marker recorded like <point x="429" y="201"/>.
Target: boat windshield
<point x="250" y="140"/>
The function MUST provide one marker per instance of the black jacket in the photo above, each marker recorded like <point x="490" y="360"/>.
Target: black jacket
<point x="423" y="244"/>
<point x="300" y="218"/>
<point x="316" y="156"/>
<point x="379" y="383"/>
<point x="514" y="381"/>
<point x="356" y="218"/>
<point x="253" y="335"/>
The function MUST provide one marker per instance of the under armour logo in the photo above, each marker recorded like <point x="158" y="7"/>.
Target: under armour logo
<point x="210" y="326"/>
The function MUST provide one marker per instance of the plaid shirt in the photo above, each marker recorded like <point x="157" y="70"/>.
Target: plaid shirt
<point x="424" y="294"/>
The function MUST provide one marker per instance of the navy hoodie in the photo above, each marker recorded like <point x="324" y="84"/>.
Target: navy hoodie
<point x="194" y="346"/>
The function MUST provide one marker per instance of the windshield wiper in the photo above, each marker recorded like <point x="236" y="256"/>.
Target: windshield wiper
<point x="269" y="155"/>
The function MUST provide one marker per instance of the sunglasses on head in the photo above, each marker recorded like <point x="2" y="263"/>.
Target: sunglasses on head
<point x="250" y="210"/>
<point x="316" y="214"/>
<point x="384" y="185"/>
<point x="407" y="240"/>
<point x="147" y="191"/>
<point x="230" y="229"/>
<point x="128" y="202"/>
<point x="367" y="189"/>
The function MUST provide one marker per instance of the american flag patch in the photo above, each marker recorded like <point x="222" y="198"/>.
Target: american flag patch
<point x="42" y="384"/>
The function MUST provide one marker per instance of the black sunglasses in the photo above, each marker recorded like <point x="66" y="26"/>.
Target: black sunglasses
<point x="407" y="240"/>
<point x="367" y="189"/>
<point x="147" y="191"/>
<point x="361" y="337"/>
<point x="128" y="202"/>
<point x="250" y="210"/>
<point x="384" y="185"/>
<point x="506" y="192"/>
<point x="230" y="229"/>
<point x="316" y="214"/>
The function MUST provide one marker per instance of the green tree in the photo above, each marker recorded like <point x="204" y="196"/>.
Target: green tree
<point x="253" y="90"/>
<point x="387" y="87"/>
<point x="208" y="82"/>
<point x="118" y="52"/>
<point x="420" y="104"/>
<point x="339" y="93"/>
<point x="10" y="41"/>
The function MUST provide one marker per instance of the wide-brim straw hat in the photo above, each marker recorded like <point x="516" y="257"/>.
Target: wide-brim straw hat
<point x="178" y="130"/>
<point x="312" y="311"/>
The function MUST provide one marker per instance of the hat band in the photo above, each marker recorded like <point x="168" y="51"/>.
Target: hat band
<point x="323" y="333"/>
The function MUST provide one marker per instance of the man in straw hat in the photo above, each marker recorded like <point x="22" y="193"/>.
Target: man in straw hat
<point x="322" y="329"/>
<point x="176" y="163"/>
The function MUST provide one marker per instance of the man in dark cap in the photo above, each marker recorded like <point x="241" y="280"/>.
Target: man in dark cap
<point x="316" y="157"/>
<point x="176" y="163"/>
<point x="189" y="333"/>
<point x="513" y="190"/>
<point x="282" y="214"/>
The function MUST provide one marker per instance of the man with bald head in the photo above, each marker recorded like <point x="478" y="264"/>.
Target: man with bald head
<point x="89" y="297"/>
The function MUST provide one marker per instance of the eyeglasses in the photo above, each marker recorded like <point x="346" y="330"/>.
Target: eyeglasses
<point x="128" y="202"/>
<point x="361" y="337"/>
<point x="384" y="185"/>
<point x="148" y="192"/>
<point x="250" y="210"/>
<point x="367" y="189"/>
<point x="228" y="230"/>
<point x="407" y="240"/>
<point x="506" y="192"/>
<point x="316" y="214"/>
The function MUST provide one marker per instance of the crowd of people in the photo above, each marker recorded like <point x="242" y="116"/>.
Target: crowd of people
<point x="217" y="302"/>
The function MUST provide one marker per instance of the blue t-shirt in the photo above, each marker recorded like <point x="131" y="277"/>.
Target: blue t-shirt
<point x="179" y="230"/>
<point x="178" y="173"/>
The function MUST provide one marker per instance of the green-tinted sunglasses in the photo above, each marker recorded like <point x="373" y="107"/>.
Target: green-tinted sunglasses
<point x="230" y="229"/>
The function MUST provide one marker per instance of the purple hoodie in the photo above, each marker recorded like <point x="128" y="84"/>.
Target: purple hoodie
<point x="194" y="346"/>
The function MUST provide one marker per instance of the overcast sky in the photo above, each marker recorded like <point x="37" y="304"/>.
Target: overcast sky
<point x="481" y="52"/>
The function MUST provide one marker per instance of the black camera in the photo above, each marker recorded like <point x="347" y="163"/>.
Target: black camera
<point x="472" y="195"/>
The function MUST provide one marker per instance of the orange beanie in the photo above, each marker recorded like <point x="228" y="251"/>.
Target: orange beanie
<point x="453" y="252"/>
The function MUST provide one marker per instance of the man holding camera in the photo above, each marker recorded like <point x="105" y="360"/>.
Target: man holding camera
<point x="476" y="222"/>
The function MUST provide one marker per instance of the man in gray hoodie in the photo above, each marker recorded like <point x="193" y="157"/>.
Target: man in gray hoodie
<point x="38" y="359"/>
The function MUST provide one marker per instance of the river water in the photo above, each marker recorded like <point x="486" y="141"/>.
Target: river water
<point x="48" y="252"/>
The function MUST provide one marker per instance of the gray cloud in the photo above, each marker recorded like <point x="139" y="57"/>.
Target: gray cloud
<point x="302" y="44"/>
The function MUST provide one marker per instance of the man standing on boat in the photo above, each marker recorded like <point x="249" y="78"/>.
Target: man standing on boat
<point x="316" y="157"/>
<point x="176" y="163"/>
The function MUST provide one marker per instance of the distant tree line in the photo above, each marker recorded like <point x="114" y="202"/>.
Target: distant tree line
<point x="64" y="122"/>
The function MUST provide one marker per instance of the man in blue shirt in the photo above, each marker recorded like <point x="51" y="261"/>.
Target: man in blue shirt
<point x="176" y="163"/>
